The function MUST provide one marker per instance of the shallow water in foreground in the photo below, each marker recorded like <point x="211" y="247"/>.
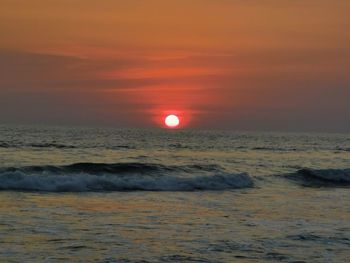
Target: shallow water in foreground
<point x="51" y="212"/>
<point x="255" y="225"/>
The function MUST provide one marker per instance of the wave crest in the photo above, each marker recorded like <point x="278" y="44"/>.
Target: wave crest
<point x="85" y="177"/>
<point x="322" y="177"/>
<point x="115" y="168"/>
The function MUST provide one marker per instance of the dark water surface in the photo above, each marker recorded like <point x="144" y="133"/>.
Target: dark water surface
<point x="119" y="195"/>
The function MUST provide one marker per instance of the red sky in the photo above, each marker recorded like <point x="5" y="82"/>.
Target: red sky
<point x="238" y="64"/>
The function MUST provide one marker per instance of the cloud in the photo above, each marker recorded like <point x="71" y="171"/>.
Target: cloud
<point x="256" y="89"/>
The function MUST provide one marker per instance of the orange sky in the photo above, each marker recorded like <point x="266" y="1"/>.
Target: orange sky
<point x="239" y="64"/>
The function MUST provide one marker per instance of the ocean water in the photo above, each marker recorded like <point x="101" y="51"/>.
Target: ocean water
<point x="136" y="195"/>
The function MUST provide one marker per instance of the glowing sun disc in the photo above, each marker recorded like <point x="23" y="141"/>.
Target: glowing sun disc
<point x="172" y="121"/>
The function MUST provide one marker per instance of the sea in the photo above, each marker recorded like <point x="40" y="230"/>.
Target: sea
<point x="158" y="195"/>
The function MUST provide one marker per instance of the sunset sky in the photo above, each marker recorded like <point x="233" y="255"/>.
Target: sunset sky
<point x="278" y="65"/>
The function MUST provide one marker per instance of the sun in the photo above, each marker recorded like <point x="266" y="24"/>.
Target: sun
<point x="172" y="121"/>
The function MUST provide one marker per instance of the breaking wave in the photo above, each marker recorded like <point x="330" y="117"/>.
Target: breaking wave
<point x="85" y="177"/>
<point x="322" y="177"/>
<point x="114" y="168"/>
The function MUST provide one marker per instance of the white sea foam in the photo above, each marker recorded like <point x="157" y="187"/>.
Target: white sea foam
<point x="109" y="182"/>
